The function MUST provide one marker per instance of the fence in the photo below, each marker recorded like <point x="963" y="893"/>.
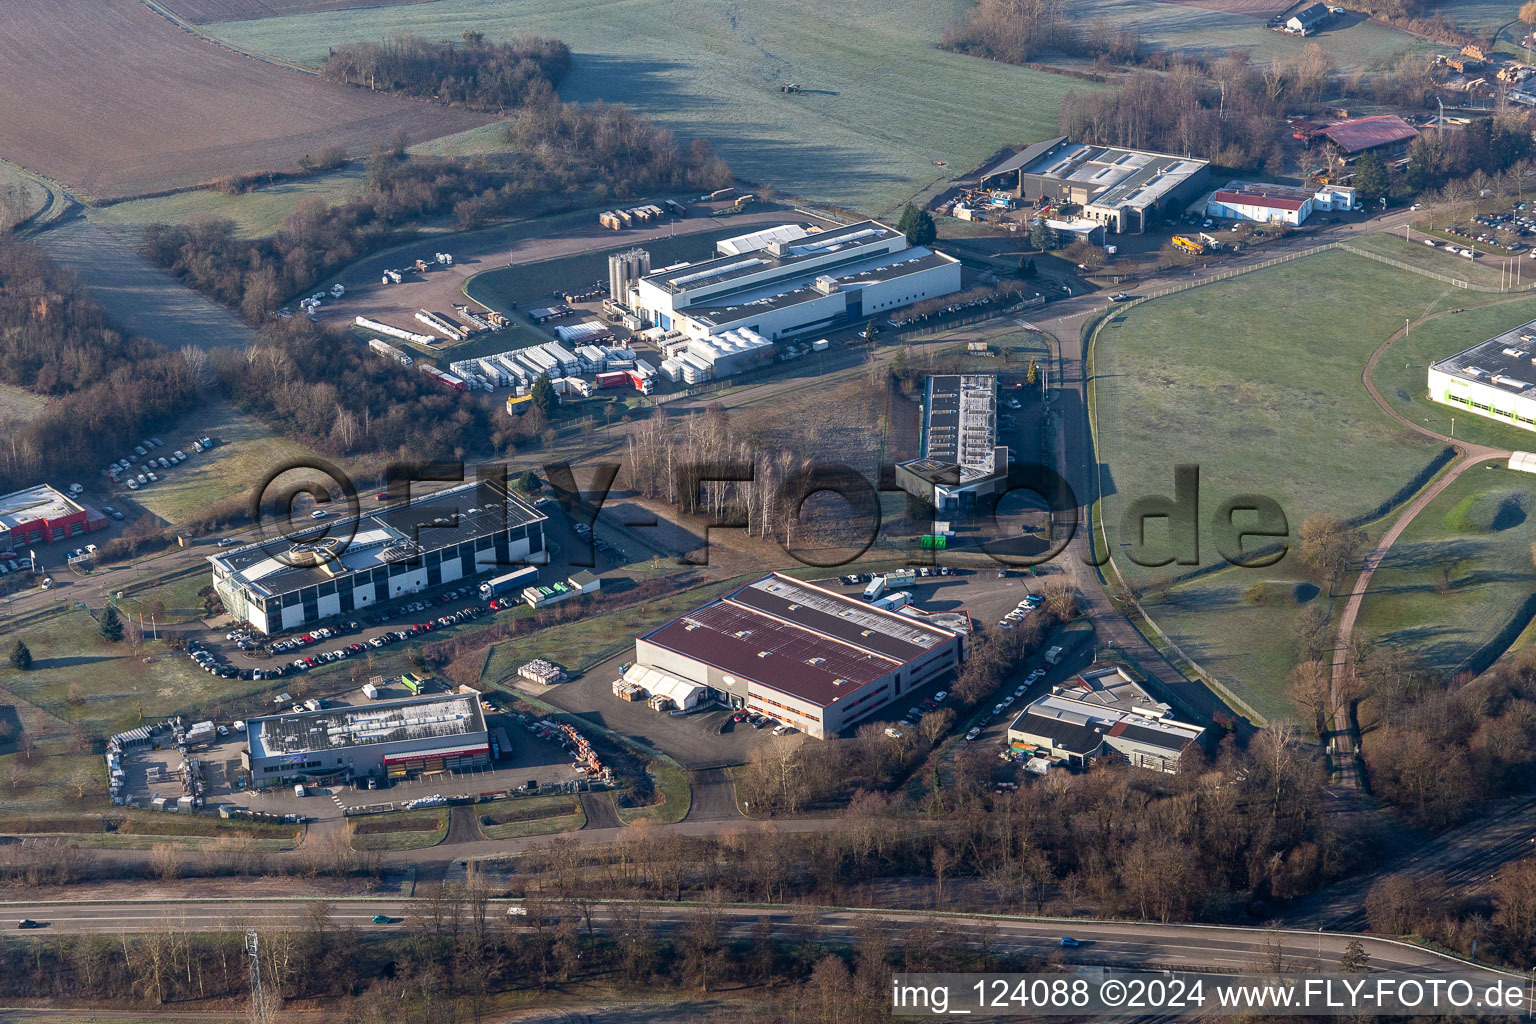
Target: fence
<point x="1458" y="282"/>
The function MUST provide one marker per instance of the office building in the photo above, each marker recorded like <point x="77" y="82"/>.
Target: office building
<point x="1495" y="379"/>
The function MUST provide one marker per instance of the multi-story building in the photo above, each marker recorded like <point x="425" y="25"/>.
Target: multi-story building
<point x="960" y="458"/>
<point x="789" y="286"/>
<point x="812" y="658"/>
<point x="390" y="739"/>
<point x="342" y="566"/>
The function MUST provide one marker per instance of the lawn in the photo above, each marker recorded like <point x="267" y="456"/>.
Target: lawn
<point x="1457" y="574"/>
<point x="1437" y="260"/>
<point x="879" y="103"/>
<point x="672" y="788"/>
<point x="78" y="676"/>
<point x="1257" y="381"/>
<point x="245" y="453"/>
<point x="532" y="816"/>
<point x="173" y="602"/>
<point x="255" y="214"/>
<point x="1402" y="374"/>
<point x="399" y="830"/>
<point x="19" y="404"/>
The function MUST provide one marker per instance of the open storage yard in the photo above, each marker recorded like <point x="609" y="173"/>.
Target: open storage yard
<point x="112" y="99"/>
<point x="878" y="101"/>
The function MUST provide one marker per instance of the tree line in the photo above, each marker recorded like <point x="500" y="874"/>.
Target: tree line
<point x="560" y="155"/>
<point x="103" y="387"/>
<point x="476" y="73"/>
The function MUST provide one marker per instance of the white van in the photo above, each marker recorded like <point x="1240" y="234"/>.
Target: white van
<point x="298" y="789"/>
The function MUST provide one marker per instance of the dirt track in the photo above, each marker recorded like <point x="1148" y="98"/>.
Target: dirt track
<point x="112" y="99"/>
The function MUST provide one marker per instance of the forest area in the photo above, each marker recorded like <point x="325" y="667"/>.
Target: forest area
<point x="488" y="76"/>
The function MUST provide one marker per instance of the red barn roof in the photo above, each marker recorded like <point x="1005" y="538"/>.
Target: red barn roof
<point x="1362" y="133"/>
<point x="1269" y="202"/>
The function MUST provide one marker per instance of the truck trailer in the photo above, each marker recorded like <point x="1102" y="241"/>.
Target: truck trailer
<point x="515" y="579"/>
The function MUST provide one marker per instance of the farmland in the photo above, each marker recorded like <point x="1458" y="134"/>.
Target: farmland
<point x="1216" y="25"/>
<point x="879" y="102"/>
<point x="139" y="96"/>
<point x="1256" y="380"/>
<point x="202" y="11"/>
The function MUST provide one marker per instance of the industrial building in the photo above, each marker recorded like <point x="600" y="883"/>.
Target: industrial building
<point x="692" y="360"/>
<point x="1276" y="204"/>
<point x="625" y="269"/>
<point x="1495" y="379"/>
<point x="40" y="515"/>
<point x="1126" y="190"/>
<point x="812" y="658"/>
<point x="960" y="457"/>
<point x="387" y="740"/>
<point x="345" y="565"/>
<point x="792" y="286"/>
<point x="1386" y="133"/>
<point x="1103" y="713"/>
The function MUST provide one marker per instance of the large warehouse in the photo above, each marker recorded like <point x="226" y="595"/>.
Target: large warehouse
<point x="1495" y="378"/>
<point x="791" y="286"/>
<point x="41" y="514"/>
<point x="1126" y="190"/>
<point x="345" y="565"/>
<point x="812" y="658"/>
<point x="960" y="456"/>
<point x="391" y="739"/>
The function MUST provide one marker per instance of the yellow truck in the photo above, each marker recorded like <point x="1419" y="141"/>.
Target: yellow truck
<point x="1188" y="244"/>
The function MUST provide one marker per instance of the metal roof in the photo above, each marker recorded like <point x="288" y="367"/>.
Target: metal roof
<point x="1506" y="361"/>
<point x="418" y="718"/>
<point x="1362" y="133"/>
<point x="814" y="644"/>
<point x="35" y="503"/>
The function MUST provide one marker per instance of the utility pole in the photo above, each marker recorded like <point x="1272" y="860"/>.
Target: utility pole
<point x="259" y="1012"/>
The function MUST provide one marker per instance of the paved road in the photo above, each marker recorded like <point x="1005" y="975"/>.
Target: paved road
<point x="1109" y="943"/>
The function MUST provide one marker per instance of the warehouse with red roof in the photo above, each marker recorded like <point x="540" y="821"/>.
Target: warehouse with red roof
<point x="1386" y="132"/>
<point x="809" y="657"/>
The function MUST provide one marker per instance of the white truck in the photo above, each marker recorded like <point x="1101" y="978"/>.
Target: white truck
<point x="875" y="589"/>
<point x="516" y="579"/>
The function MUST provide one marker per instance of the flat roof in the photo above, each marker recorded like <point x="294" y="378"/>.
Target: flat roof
<point x="811" y="643"/>
<point x="1072" y="719"/>
<point x="725" y="268"/>
<point x="437" y="719"/>
<point x="1506" y="361"/>
<point x="1114" y="175"/>
<point x="33" y="504"/>
<point x="399" y="532"/>
<point x="792" y="291"/>
<point x="960" y="423"/>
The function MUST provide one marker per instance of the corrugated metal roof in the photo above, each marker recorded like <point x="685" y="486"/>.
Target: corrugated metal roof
<point x="1363" y="133"/>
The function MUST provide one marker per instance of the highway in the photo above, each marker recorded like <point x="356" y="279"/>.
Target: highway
<point x="1122" y="944"/>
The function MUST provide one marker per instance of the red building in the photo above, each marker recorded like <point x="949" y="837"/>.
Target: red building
<point x="40" y="515"/>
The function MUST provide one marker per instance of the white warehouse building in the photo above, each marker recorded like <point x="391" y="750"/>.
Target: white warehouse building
<point x="796" y="285"/>
<point x="1276" y="204"/>
<point x="342" y="566"/>
<point x="1495" y="379"/>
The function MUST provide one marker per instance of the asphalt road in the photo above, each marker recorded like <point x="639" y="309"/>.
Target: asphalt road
<point x="1103" y="943"/>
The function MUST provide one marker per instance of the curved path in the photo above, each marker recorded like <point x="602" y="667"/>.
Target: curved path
<point x="1467" y="456"/>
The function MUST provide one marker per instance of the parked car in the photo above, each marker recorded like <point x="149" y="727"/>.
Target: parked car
<point x="975" y="731"/>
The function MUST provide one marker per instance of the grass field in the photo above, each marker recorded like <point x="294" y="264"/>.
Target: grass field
<point x="1460" y="569"/>
<point x="246" y="452"/>
<point x="255" y="213"/>
<point x="1402" y="374"/>
<point x="676" y="796"/>
<point x="879" y="102"/>
<point x="1256" y="380"/>
<point x="1437" y="260"/>
<point x="18" y="404"/>
<point x="1353" y="42"/>
<point x="531" y="816"/>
